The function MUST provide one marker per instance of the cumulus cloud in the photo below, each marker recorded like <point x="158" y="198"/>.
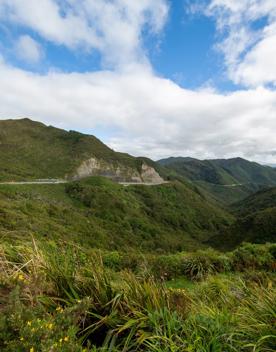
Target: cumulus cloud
<point x="153" y="115"/>
<point x="28" y="49"/>
<point x="112" y="27"/>
<point x="249" y="49"/>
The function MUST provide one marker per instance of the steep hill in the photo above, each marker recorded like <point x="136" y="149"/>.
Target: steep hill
<point x="31" y="150"/>
<point x="259" y="201"/>
<point x="256" y="221"/>
<point x="100" y="213"/>
<point x="228" y="180"/>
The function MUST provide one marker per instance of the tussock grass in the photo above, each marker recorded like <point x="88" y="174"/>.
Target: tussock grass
<point x="65" y="298"/>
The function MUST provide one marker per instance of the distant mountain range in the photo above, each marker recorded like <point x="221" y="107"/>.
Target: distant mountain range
<point x="222" y="171"/>
<point x="228" y="180"/>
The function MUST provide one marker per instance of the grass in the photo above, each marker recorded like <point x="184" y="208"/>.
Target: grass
<point x="66" y="299"/>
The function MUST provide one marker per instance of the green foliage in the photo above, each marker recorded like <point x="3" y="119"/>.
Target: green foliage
<point x="100" y="213"/>
<point x="259" y="201"/>
<point x="253" y="257"/>
<point x="65" y="299"/>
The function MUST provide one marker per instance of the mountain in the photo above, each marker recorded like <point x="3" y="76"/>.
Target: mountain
<point x="97" y="212"/>
<point x="31" y="150"/>
<point x="259" y="201"/>
<point x="255" y="222"/>
<point x="222" y="171"/>
<point x="228" y="180"/>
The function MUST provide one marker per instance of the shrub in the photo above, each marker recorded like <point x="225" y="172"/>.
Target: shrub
<point x="253" y="257"/>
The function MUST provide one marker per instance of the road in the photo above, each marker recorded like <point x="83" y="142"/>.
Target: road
<point x="142" y="183"/>
<point x="35" y="182"/>
<point x="54" y="182"/>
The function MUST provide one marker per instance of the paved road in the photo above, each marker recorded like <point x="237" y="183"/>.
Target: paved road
<point x="37" y="182"/>
<point x="52" y="182"/>
<point x="142" y="183"/>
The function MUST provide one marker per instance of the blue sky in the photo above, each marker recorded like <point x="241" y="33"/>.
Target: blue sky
<point x="184" y="52"/>
<point x="154" y="77"/>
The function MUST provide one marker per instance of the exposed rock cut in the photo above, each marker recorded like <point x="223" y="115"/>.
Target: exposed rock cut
<point x="117" y="172"/>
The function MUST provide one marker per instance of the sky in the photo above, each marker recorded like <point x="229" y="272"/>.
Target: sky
<point x="156" y="78"/>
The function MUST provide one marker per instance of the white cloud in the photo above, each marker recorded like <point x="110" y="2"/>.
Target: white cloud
<point x="28" y="49"/>
<point x="152" y="115"/>
<point x="249" y="52"/>
<point x="112" y="27"/>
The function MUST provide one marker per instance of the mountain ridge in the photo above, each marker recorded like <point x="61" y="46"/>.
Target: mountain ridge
<point x="32" y="150"/>
<point x="228" y="180"/>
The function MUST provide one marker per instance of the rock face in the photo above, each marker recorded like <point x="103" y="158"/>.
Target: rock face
<point x="150" y="175"/>
<point x="117" y="172"/>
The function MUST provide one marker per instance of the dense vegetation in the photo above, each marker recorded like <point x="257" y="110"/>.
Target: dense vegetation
<point x="57" y="297"/>
<point x="228" y="180"/>
<point x="255" y="221"/>
<point x="257" y="202"/>
<point x="98" y="212"/>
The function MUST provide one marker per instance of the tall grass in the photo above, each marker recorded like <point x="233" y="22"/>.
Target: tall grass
<point x="63" y="298"/>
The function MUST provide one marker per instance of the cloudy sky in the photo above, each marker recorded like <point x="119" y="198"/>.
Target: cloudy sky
<point x="149" y="77"/>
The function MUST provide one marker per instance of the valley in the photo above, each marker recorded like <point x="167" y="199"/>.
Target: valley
<point x="103" y="251"/>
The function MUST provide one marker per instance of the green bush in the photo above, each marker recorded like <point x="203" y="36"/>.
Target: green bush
<point x="253" y="257"/>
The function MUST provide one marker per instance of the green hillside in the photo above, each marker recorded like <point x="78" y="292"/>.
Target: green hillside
<point x="31" y="150"/>
<point x="228" y="195"/>
<point x="199" y="170"/>
<point x="222" y="171"/>
<point x="227" y="180"/>
<point x="100" y="213"/>
<point x="257" y="202"/>
<point x="256" y="221"/>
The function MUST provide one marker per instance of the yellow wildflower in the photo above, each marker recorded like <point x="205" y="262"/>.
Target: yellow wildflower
<point x="66" y="338"/>
<point x="31" y="349"/>
<point x="29" y="323"/>
<point x="50" y="326"/>
<point x="21" y="338"/>
<point x="60" y="340"/>
<point x="20" y="277"/>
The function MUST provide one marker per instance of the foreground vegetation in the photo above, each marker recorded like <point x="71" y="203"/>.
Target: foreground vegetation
<point x="61" y="297"/>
